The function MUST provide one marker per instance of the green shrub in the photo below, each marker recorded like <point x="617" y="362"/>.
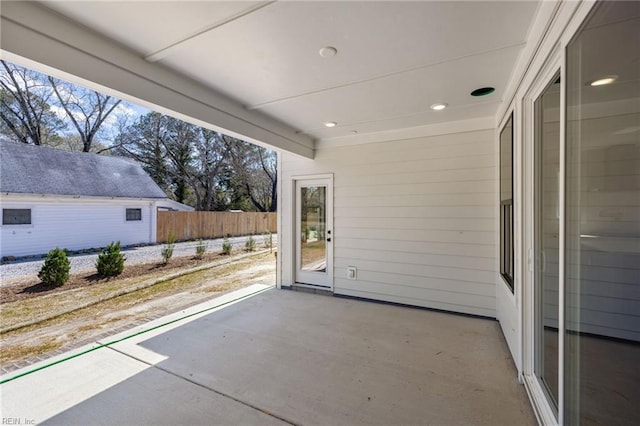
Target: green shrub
<point x="167" y="250"/>
<point x="56" y="267"/>
<point x="250" y="244"/>
<point x="226" y="246"/>
<point x="110" y="262"/>
<point x="200" y="249"/>
<point x="268" y="240"/>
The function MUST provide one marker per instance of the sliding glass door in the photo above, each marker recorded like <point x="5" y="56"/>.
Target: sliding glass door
<point x="602" y="280"/>
<point x="581" y="200"/>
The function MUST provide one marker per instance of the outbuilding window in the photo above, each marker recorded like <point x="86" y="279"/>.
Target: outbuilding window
<point x="134" y="214"/>
<point x="16" y="216"/>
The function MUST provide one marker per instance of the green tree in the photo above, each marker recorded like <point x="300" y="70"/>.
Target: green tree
<point x="179" y="149"/>
<point x="110" y="261"/>
<point x="197" y="166"/>
<point x="210" y="163"/>
<point x="179" y="156"/>
<point x="143" y="141"/>
<point x="56" y="267"/>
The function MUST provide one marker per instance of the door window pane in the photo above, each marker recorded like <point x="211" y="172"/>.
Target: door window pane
<point x="602" y="357"/>
<point x="546" y="228"/>
<point x="313" y="246"/>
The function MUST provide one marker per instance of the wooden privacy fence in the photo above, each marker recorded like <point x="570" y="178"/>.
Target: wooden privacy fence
<point x="195" y="225"/>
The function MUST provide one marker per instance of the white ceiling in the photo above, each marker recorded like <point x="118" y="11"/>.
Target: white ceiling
<point x="394" y="59"/>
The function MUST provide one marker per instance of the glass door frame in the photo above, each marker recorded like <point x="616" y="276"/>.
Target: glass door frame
<point x="327" y="181"/>
<point x="545" y="411"/>
<point x="547" y="58"/>
<point x="540" y="260"/>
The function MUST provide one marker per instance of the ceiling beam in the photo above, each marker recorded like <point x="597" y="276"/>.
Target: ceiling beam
<point x="428" y="130"/>
<point x="165" y="51"/>
<point x="71" y="51"/>
<point x="381" y="76"/>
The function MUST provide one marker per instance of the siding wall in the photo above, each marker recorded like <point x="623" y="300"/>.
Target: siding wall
<point x="73" y="224"/>
<point x="415" y="216"/>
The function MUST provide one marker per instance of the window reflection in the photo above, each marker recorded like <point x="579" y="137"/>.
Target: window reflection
<point x="313" y="246"/>
<point x="602" y="368"/>
<point x="547" y="226"/>
<point x="506" y="202"/>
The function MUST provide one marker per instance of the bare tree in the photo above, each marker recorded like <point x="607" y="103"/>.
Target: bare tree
<point x="72" y="142"/>
<point x="25" y="110"/>
<point x="256" y="169"/>
<point x="87" y="109"/>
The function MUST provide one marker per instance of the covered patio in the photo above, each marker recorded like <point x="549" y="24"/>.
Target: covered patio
<point x="267" y="356"/>
<point x="481" y="158"/>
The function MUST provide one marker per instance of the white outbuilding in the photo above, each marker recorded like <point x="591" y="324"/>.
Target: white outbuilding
<point x="74" y="200"/>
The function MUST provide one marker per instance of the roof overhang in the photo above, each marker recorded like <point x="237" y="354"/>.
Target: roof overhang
<point x="33" y="35"/>
<point x="253" y="70"/>
<point x="70" y="197"/>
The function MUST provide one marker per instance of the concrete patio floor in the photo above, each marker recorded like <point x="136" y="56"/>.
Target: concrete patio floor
<point x="281" y="357"/>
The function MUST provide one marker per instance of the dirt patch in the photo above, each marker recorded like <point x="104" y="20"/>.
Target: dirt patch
<point x="77" y="327"/>
<point x="33" y="287"/>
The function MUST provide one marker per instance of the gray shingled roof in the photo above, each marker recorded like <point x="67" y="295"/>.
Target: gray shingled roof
<point x="30" y="169"/>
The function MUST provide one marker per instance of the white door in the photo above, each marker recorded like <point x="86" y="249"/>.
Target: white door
<point x="543" y="231"/>
<point x="313" y="232"/>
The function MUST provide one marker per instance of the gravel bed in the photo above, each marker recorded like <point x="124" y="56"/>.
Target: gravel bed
<point x="134" y="255"/>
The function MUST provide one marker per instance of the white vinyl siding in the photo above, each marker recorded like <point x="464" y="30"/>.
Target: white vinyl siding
<point x="415" y="216"/>
<point x="73" y="224"/>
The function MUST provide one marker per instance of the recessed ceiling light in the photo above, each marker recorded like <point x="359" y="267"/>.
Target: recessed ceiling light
<point x="483" y="91"/>
<point x="330" y="124"/>
<point x="328" y="51"/>
<point x="438" y="107"/>
<point x="604" y="80"/>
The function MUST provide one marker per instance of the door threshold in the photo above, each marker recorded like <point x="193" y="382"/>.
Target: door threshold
<point x="308" y="288"/>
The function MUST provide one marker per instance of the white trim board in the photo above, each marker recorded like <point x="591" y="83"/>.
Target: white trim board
<point x="449" y="127"/>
